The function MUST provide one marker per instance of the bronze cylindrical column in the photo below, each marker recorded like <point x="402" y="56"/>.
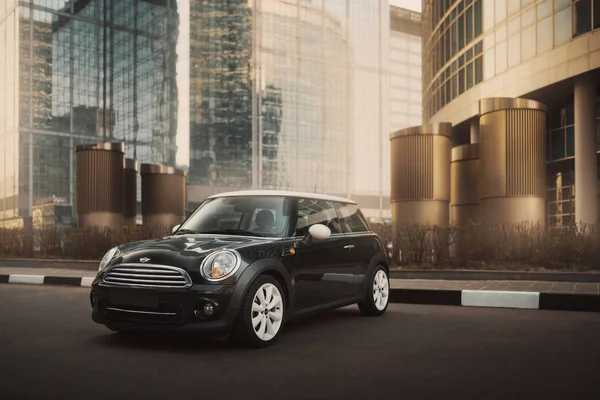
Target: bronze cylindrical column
<point x="465" y="197"/>
<point x="513" y="160"/>
<point x="100" y="185"/>
<point x="163" y="195"/>
<point x="420" y="158"/>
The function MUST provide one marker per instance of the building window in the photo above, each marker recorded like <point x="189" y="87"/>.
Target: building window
<point x="528" y="41"/>
<point x="582" y="13"/>
<point x="514" y="50"/>
<point x="562" y="26"/>
<point x="544" y="39"/>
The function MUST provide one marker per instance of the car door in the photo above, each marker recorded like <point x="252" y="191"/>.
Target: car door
<point x="363" y="242"/>
<point x="320" y="270"/>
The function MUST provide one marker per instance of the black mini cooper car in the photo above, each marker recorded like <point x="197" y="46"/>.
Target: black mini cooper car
<point x="244" y="263"/>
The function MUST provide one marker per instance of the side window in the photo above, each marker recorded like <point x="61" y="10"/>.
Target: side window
<point x="311" y="212"/>
<point x="352" y="219"/>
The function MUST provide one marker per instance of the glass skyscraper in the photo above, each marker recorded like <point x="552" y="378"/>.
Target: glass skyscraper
<point x="80" y="71"/>
<point x="290" y="94"/>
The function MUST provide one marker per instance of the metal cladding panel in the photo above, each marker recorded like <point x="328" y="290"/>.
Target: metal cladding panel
<point x="130" y="190"/>
<point x="514" y="210"/>
<point x="422" y="212"/>
<point x="163" y="193"/>
<point x="464" y="214"/>
<point x="412" y="168"/>
<point x="465" y="176"/>
<point x="492" y="141"/>
<point x="525" y="156"/>
<point x="99" y="181"/>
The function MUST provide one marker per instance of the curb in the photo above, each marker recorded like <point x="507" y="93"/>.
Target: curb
<point x="86" y="265"/>
<point x="498" y="299"/>
<point x="84" y="281"/>
<point x="463" y="298"/>
<point x="482" y="275"/>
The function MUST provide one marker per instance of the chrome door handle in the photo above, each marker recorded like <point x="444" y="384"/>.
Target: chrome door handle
<point x="349" y="246"/>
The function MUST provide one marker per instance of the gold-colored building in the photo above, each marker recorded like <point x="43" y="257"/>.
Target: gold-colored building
<point x="521" y="80"/>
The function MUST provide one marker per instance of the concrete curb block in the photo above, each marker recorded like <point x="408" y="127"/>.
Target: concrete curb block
<point x="47" y="280"/>
<point x="464" y="298"/>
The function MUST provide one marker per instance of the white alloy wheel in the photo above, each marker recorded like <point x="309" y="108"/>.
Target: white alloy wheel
<point x="267" y="312"/>
<point x="381" y="290"/>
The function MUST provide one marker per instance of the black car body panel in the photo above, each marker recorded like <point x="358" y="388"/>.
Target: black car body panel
<point x="315" y="275"/>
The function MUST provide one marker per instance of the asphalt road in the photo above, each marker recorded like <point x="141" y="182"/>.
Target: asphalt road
<point x="50" y="349"/>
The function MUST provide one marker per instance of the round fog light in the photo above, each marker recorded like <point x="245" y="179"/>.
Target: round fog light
<point x="209" y="309"/>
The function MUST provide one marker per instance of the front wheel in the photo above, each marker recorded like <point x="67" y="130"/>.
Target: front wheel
<point x="262" y="313"/>
<point x="378" y="293"/>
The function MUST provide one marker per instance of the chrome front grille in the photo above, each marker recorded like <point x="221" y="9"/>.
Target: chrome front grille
<point x="147" y="275"/>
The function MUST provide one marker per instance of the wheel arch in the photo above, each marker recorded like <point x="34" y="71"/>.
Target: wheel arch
<point x="265" y="266"/>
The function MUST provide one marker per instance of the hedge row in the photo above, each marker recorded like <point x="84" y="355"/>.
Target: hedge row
<point x="470" y="246"/>
<point x="76" y="244"/>
<point x="532" y="246"/>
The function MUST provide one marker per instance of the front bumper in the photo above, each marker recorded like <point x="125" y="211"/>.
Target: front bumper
<point x="123" y="308"/>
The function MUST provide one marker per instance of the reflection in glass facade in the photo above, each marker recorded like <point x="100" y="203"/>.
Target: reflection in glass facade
<point x="454" y="62"/>
<point x="84" y="71"/>
<point x="289" y="94"/>
<point x="405" y="70"/>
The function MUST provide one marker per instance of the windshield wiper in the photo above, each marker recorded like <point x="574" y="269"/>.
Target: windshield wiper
<point x="186" y="231"/>
<point x="234" y="232"/>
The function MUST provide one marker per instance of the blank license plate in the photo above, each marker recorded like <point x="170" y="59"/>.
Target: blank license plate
<point x="134" y="297"/>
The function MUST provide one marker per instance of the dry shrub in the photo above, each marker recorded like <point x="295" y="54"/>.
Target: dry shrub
<point x="479" y="246"/>
<point x="471" y="246"/>
<point x="71" y="243"/>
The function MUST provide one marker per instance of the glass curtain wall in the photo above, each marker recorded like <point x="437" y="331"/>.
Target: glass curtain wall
<point x="290" y="94"/>
<point x="88" y="71"/>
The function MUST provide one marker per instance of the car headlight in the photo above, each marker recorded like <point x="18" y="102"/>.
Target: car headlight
<point x="108" y="257"/>
<point x="220" y="265"/>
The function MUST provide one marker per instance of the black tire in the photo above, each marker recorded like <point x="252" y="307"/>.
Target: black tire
<point x="368" y="307"/>
<point x="244" y="333"/>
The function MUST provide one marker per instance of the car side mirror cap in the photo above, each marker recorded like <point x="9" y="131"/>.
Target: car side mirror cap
<point x="175" y="228"/>
<point x="319" y="232"/>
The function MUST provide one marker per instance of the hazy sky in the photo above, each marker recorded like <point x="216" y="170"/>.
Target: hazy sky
<point x="414" y="5"/>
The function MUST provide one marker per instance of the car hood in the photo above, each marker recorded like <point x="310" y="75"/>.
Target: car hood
<point x="184" y="251"/>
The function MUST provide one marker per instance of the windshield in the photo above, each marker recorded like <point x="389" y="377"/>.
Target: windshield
<point x="267" y="216"/>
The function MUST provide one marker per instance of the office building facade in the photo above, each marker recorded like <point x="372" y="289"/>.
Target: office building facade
<point x="290" y="94"/>
<point x="81" y="71"/>
<point x="508" y="69"/>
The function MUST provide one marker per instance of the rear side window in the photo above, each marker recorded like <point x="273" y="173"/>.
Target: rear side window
<point x="311" y="212"/>
<point x="352" y="219"/>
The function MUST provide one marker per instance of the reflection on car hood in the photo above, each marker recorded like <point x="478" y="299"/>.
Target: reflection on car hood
<point x="184" y="250"/>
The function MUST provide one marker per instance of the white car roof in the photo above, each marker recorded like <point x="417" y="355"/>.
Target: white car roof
<point x="284" y="193"/>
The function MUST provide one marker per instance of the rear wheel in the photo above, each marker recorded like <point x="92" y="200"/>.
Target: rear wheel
<point x="378" y="293"/>
<point x="262" y="313"/>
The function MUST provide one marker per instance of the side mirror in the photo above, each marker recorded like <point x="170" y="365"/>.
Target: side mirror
<point x="175" y="228"/>
<point x="316" y="232"/>
<point x="319" y="232"/>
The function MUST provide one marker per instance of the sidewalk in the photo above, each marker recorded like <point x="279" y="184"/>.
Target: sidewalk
<point x="539" y="295"/>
